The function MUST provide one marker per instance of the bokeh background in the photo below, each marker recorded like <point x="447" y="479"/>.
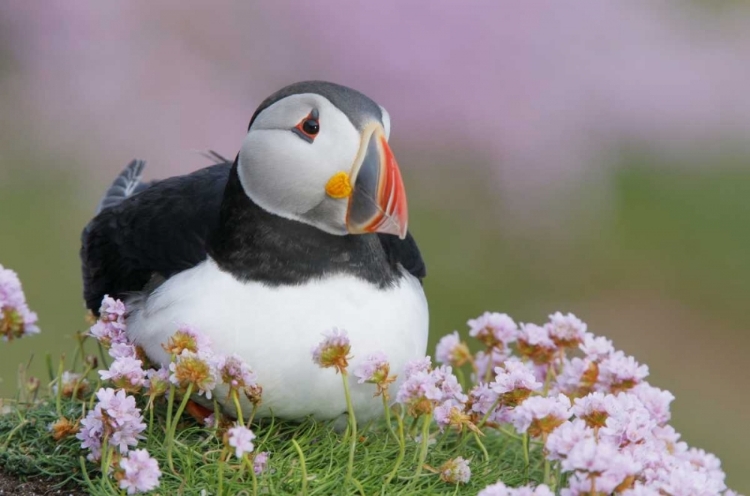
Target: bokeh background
<point x="589" y="157"/>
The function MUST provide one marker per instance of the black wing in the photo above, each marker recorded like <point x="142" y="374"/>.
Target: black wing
<point x="161" y="229"/>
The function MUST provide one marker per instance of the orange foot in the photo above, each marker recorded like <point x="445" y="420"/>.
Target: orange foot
<point x="198" y="412"/>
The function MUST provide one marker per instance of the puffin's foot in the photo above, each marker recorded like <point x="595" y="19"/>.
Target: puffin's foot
<point x="198" y="411"/>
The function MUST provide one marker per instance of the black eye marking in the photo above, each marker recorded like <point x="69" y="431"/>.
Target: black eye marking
<point x="309" y="127"/>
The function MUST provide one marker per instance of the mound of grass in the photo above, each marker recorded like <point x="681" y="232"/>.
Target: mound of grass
<point x="316" y="465"/>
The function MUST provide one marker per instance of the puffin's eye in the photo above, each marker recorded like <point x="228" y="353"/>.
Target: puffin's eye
<point x="311" y="126"/>
<point x="308" y="127"/>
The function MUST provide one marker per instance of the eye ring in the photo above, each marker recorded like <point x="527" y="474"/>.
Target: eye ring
<point x="308" y="128"/>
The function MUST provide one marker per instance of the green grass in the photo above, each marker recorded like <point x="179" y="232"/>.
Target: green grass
<point x="27" y="448"/>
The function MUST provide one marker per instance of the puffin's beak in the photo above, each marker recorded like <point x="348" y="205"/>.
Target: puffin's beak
<point x="378" y="200"/>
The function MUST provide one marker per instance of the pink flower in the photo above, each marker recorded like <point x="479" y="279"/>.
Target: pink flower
<point x="581" y="483"/>
<point x="108" y="333"/>
<point x="115" y="415"/>
<point x="628" y="421"/>
<point x="260" y="462"/>
<point x="157" y="381"/>
<point x="417" y="365"/>
<point x="187" y="338"/>
<point x="198" y="369"/>
<point x="120" y="350"/>
<point x="141" y="472"/>
<point x="514" y="382"/>
<point x="371" y="370"/>
<point x="376" y="370"/>
<point x="656" y="401"/>
<point x="685" y="481"/>
<point x="333" y="351"/>
<point x="210" y="421"/>
<point x="500" y="489"/>
<point x="640" y="489"/>
<point x="236" y="373"/>
<point x="455" y="471"/>
<point x="596" y="348"/>
<point x="594" y="408"/>
<point x="600" y="457"/>
<point x="487" y="361"/>
<point x="16" y="320"/>
<point x="125" y="372"/>
<point x="566" y="330"/>
<point x="452" y="351"/>
<point x="241" y="439"/>
<point x="112" y="310"/>
<point x="541" y="415"/>
<point x="562" y="440"/>
<point x="449" y="385"/>
<point x="420" y="392"/>
<point x="493" y="329"/>
<point x="535" y="343"/>
<point x="619" y="372"/>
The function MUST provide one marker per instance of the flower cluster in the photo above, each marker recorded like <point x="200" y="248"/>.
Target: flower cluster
<point x="140" y="472"/>
<point x="589" y="406"/>
<point x="16" y="320"/>
<point x="435" y="391"/>
<point x="110" y="328"/>
<point x="597" y="417"/>
<point x="193" y="366"/>
<point x="193" y="361"/>
<point x="115" y="419"/>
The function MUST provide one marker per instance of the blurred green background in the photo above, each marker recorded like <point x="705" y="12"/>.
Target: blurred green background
<point x="637" y="219"/>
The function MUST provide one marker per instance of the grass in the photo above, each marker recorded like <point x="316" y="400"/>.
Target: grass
<point x="315" y="448"/>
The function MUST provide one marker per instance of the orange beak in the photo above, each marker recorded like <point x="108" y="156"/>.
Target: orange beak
<point x="378" y="201"/>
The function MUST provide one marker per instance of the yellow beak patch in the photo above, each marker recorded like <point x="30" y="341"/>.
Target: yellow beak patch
<point x="339" y="186"/>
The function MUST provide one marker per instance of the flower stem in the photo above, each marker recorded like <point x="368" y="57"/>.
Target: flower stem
<point x="387" y="409"/>
<point x="255" y="479"/>
<point x="237" y="406"/>
<point x="150" y="420"/>
<point x="173" y="425"/>
<point x="460" y="377"/>
<point x="252" y="415"/>
<point x="85" y="473"/>
<point x="352" y="426"/>
<point x="302" y="465"/>
<point x="170" y="406"/>
<point x="487" y="415"/>
<point x="526" y="455"/>
<point x="220" y="474"/>
<point x="423" y="447"/>
<point x="104" y="467"/>
<point x="401" y="449"/>
<point x="58" y="398"/>
<point x="546" y="462"/>
<point x="547" y="379"/>
<point x="481" y="446"/>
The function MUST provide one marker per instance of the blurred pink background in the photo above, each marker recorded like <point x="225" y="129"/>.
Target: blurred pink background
<point x="540" y="90"/>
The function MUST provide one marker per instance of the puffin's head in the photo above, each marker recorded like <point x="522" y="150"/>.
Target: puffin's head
<point x="318" y="153"/>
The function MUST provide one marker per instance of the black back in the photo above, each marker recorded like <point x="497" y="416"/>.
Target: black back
<point x="172" y="224"/>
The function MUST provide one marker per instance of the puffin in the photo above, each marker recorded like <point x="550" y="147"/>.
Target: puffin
<point x="304" y="232"/>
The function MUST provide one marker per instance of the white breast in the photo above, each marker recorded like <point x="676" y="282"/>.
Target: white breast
<point x="274" y="329"/>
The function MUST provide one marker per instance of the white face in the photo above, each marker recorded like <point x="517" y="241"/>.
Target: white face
<point x="286" y="173"/>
